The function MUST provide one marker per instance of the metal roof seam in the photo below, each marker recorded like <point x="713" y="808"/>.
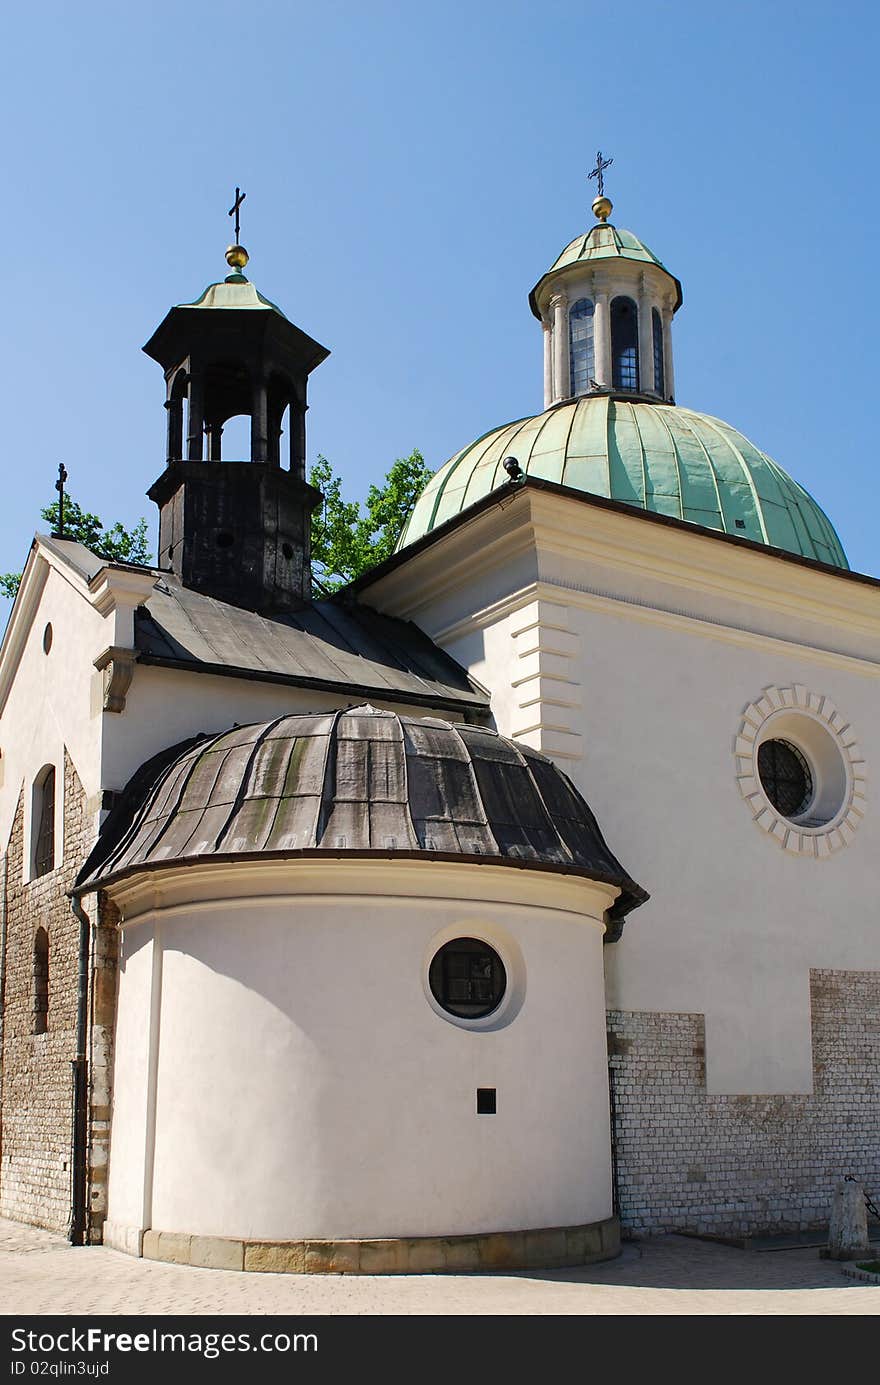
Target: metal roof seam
<point x="244" y="780"/>
<point x="130" y="836"/>
<point x="478" y="797"/>
<point x="746" y="471"/>
<point x="676" y="460"/>
<point x="323" y="814"/>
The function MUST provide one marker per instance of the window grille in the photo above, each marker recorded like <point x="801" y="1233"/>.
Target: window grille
<point x="580" y="343"/>
<point x="624" y="344"/>
<point x="659" y="383"/>
<point x="785" y="777"/>
<point x="44" y="851"/>
<point x="467" y="978"/>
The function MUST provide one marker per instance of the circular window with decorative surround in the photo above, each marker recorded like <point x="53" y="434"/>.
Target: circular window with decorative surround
<point x="467" y="978"/>
<point x="800" y="770"/>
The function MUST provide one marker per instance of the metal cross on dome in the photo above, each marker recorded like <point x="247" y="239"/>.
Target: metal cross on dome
<point x="601" y="165"/>
<point x="233" y="210"/>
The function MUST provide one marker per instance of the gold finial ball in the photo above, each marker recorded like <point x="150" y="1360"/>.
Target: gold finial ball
<point x="602" y="208"/>
<point x="237" y="257"/>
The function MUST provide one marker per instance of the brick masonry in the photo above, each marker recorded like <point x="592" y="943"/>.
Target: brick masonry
<point x="736" y="1165"/>
<point x="37" y="1089"/>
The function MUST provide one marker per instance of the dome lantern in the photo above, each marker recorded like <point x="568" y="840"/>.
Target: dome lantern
<point x="606" y="306"/>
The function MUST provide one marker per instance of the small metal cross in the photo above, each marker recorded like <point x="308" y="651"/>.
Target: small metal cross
<point x="59" y="486"/>
<point x="233" y="210"/>
<point x="601" y="165"/>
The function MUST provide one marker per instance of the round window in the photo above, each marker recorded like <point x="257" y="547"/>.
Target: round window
<point x="467" y="978"/>
<point x="785" y="777"/>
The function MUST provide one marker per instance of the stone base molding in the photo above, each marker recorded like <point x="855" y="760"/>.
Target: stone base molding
<point x="554" y="1247"/>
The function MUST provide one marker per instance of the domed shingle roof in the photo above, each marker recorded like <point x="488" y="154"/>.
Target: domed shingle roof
<point x="360" y="782"/>
<point x="655" y="457"/>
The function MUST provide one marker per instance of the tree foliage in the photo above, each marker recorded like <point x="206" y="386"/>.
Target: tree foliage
<point x="348" y="539"/>
<point x="116" y="544"/>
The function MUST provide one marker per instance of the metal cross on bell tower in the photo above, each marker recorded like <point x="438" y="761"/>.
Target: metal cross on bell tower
<point x="597" y="172"/>
<point x="59" y="486"/>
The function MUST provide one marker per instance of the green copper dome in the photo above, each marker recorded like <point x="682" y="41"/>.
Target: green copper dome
<point x="656" y="457"/>
<point x="603" y="242"/>
<point x="235" y="291"/>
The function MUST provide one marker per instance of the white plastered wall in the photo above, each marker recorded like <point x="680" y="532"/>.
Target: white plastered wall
<point x="305" y="1085"/>
<point x="166" y="705"/>
<point x="630" y="659"/>
<point x="51" y="703"/>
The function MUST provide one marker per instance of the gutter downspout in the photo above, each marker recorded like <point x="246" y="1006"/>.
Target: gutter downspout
<point x="78" y="1209"/>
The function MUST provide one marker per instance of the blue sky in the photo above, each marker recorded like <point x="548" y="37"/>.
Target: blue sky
<point x="411" y="171"/>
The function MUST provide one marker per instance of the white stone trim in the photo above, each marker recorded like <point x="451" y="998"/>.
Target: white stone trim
<point x="800" y="839"/>
<point x="547" y="694"/>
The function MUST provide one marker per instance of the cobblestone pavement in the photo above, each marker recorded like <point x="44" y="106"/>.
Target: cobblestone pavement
<point x="41" y="1273"/>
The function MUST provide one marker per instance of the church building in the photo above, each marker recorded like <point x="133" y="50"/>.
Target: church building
<point x="519" y="896"/>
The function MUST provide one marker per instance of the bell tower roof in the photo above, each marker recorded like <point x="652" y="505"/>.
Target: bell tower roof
<point x="187" y="323"/>
<point x="235" y="291"/>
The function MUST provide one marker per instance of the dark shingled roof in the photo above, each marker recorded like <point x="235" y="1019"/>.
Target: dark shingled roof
<point x="340" y="647"/>
<point x="359" y="782"/>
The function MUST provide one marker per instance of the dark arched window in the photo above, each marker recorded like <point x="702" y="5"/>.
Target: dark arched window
<point x="44" y="822"/>
<point x="41" y="981"/>
<point x="580" y="344"/>
<point x="624" y="344"/>
<point x="659" y="384"/>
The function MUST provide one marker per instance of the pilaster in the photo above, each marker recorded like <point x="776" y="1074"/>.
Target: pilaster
<point x="559" y="311"/>
<point x="602" y="337"/>
<point x="669" y="381"/>
<point x="548" y="362"/>
<point x="646" y="336"/>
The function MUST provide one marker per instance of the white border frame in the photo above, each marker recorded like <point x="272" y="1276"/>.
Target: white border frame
<point x="816" y="842"/>
<point x="510" y="953"/>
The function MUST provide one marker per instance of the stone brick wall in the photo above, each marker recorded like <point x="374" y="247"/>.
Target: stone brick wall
<point x="35" y="1137"/>
<point x="735" y="1165"/>
<point x="105" y="975"/>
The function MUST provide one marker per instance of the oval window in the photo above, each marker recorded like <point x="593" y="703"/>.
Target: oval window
<point x="467" y="978"/>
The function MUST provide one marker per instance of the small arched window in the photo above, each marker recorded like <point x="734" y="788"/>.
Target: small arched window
<point x="624" y="344"/>
<point x="44" y="823"/>
<point x="41" y="981"/>
<point x="580" y="345"/>
<point x="659" y="383"/>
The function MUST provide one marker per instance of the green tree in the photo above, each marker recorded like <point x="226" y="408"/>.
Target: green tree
<point x="347" y="540"/>
<point x="117" y="544"/>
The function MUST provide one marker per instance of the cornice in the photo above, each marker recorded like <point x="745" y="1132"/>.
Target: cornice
<point x="111" y="588"/>
<point x="690" y="622"/>
<point x="692" y="562"/>
<point x="696" y="562"/>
